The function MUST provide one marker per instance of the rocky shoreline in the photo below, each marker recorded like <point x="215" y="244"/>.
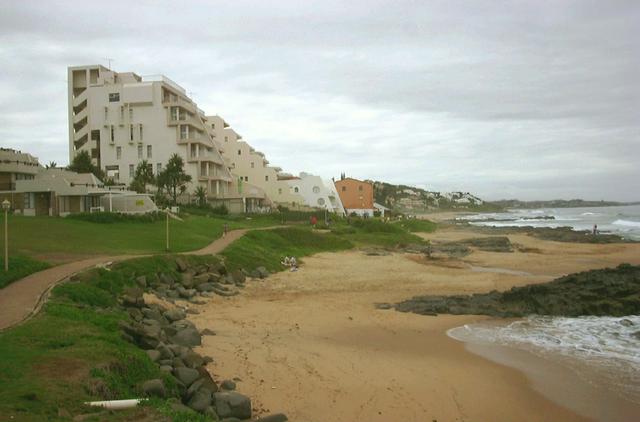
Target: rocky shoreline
<point x="168" y="338"/>
<point x="605" y="292"/>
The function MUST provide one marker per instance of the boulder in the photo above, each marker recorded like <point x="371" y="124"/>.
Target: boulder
<point x="181" y="264"/>
<point x="278" y="417"/>
<point x="154" y="355"/>
<point x="133" y="297"/>
<point x="177" y="349"/>
<point x="238" y="277"/>
<point x="185" y="375"/>
<point x="228" y="385"/>
<point x="208" y="382"/>
<point x="173" y="294"/>
<point x="154" y="388"/>
<point x="205" y="287"/>
<point x="166" y="368"/>
<point x="187" y="280"/>
<point x="175" y="314"/>
<point x="155" y="314"/>
<point x="192" y="390"/>
<point x="192" y="360"/>
<point x="166" y="279"/>
<point x="135" y="314"/>
<point x="232" y="404"/>
<point x="200" y="279"/>
<point x="211" y="413"/>
<point x="164" y="351"/>
<point x="200" y="400"/>
<point x="178" y="363"/>
<point x="262" y="272"/>
<point x="187" y="337"/>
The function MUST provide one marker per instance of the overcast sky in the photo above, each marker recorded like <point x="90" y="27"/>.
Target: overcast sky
<point x="528" y="99"/>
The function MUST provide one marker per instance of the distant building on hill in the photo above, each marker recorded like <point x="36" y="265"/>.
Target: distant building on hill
<point x="356" y="195"/>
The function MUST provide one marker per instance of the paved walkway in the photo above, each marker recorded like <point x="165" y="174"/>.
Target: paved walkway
<point x="23" y="298"/>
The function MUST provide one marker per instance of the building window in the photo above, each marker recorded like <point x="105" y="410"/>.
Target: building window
<point x="266" y="178"/>
<point x="184" y="131"/>
<point x="131" y="133"/>
<point x="279" y="191"/>
<point x="239" y="152"/>
<point x="213" y="125"/>
<point x="132" y="171"/>
<point x="316" y="189"/>
<point x="150" y="168"/>
<point x="29" y="200"/>
<point x="106" y="114"/>
<point x="149" y="151"/>
<point x="114" y="97"/>
<point x="141" y="131"/>
<point x="344" y="189"/>
<point x="158" y="168"/>
<point x="113" y="134"/>
<point x="140" y="152"/>
<point x="321" y="202"/>
<point x="296" y="190"/>
<point x="130" y="113"/>
<point x="252" y="165"/>
<point x="246" y="178"/>
<point x="118" y="153"/>
<point x="121" y="112"/>
<point x="233" y="165"/>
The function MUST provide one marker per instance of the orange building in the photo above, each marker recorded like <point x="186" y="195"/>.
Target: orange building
<point x="356" y="196"/>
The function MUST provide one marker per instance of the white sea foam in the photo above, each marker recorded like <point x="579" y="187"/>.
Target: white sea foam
<point x="604" y="347"/>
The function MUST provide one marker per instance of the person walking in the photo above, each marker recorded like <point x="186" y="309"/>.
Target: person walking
<point x="314" y="221"/>
<point x="595" y="229"/>
<point x="225" y="229"/>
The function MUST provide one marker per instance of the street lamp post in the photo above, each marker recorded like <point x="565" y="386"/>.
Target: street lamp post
<point x="167" y="212"/>
<point x="5" y="206"/>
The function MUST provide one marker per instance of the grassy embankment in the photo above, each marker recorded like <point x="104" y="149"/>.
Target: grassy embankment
<point x="47" y="362"/>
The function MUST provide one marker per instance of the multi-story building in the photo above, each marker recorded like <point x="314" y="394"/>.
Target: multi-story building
<point x="121" y="119"/>
<point x="251" y="166"/>
<point x="356" y="196"/>
<point x="14" y="166"/>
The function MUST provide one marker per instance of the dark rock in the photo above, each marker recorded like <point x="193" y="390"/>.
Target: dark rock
<point x="166" y="279"/>
<point x="636" y="335"/>
<point x="154" y="355"/>
<point x="192" y="389"/>
<point x="606" y="292"/>
<point x="208" y="382"/>
<point x="208" y="332"/>
<point x="175" y="314"/>
<point x="166" y="368"/>
<point x="177" y="349"/>
<point x="262" y="272"/>
<point x="154" y="388"/>
<point x="191" y="359"/>
<point x="173" y="294"/>
<point x="165" y="362"/>
<point x="164" y="351"/>
<point x="200" y="279"/>
<point x="141" y="281"/>
<point x="132" y="296"/>
<point x="178" y="363"/>
<point x="238" y="277"/>
<point x="181" y="264"/>
<point x="200" y="400"/>
<point x="153" y="313"/>
<point x="187" y="280"/>
<point x="232" y="404"/>
<point x="205" y="287"/>
<point x="207" y="359"/>
<point x="186" y="375"/>
<point x="228" y="385"/>
<point x="191" y="311"/>
<point x="278" y="417"/>
<point x="187" y="337"/>
<point x="135" y="314"/>
<point x="626" y="322"/>
<point x="211" y="413"/>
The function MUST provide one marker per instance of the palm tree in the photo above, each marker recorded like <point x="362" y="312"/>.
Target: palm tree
<point x="201" y="195"/>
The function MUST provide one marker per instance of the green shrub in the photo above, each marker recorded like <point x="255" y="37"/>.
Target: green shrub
<point x="375" y="226"/>
<point x="415" y="225"/>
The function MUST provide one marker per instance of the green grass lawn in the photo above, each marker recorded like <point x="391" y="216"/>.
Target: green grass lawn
<point x="45" y="363"/>
<point x="19" y="267"/>
<point x="34" y="236"/>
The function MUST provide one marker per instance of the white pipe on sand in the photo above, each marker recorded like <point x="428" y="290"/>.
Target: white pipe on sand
<point x="116" y="404"/>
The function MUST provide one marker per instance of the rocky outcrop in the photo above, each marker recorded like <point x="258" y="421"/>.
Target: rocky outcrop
<point x="606" y="292"/>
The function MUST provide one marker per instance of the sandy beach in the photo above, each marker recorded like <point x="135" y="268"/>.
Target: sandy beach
<point x="312" y="344"/>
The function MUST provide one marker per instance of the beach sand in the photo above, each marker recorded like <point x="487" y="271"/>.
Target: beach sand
<point x="312" y="344"/>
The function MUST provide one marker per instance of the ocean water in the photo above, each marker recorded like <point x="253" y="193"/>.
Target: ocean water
<point x="603" y="351"/>
<point x="623" y="221"/>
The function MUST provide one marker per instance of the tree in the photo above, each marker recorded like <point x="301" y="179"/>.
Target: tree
<point x="173" y="177"/>
<point x="143" y="177"/>
<point x="82" y="164"/>
<point x="201" y="195"/>
<point x="51" y="165"/>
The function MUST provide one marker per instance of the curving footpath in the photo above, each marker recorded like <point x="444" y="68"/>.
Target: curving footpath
<point x="23" y="298"/>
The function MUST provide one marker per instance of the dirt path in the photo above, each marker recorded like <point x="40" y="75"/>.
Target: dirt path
<point x="23" y="298"/>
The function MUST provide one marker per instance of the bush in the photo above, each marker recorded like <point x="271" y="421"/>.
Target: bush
<point x="375" y="226"/>
<point x="117" y="217"/>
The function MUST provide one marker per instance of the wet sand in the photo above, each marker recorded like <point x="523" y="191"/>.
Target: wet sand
<point x="312" y="344"/>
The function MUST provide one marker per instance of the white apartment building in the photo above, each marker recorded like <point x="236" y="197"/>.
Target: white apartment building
<point x="316" y="193"/>
<point x="251" y="166"/>
<point x="121" y="119"/>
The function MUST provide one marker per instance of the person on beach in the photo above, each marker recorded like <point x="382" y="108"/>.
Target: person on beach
<point x="294" y="263"/>
<point x="286" y="261"/>
<point x="314" y="221"/>
<point x="595" y="229"/>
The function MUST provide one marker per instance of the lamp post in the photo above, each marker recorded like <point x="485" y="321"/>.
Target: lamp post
<point x="5" y="206"/>
<point x="167" y="212"/>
